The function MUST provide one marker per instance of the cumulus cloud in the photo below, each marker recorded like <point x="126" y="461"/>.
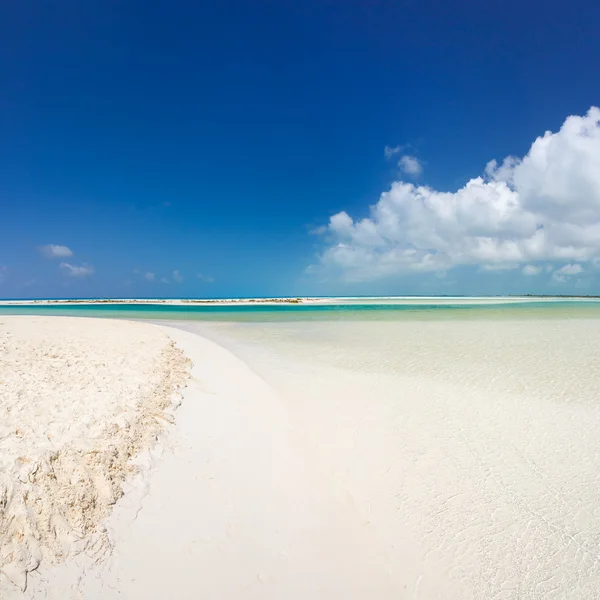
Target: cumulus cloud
<point x="55" y="251"/>
<point x="149" y="276"/>
<point x="177" y="277"/>
<point x="563" y="274"/>
<point x="205" y="278"/>
<point x="76" y="271"/>
<point x="410" y="165"/>
<point x="389" y="151"/>
<point x="542" y="207"/>
<point x="570" y="270"/>
<point x="164" y="280"/>
<point x="531" y="270"/>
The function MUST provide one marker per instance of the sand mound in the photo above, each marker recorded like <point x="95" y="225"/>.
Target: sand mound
<point x="78" y="399"/>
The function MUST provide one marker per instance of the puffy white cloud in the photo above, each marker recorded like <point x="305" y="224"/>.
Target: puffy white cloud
<point x="56" y="251"/>
<point x="562" y="275"/>
<point x="164" y="280"/>
<point x="543" y="207"/>
<point x="149" y="276"/>
<point x="570" y="270"/>
<point x="76" y="271"/>
<point x="205" y="278"/>
<point x="177" y="277"/>
<point x="531" y="270"/>
<point x="410" y="165"/>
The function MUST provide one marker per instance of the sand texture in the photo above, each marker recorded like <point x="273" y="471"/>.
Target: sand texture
<point x="470" y="447"/>
<point x="453" y="459"/>
<point x="78" y="399"/>
<point x="236" y="508"/>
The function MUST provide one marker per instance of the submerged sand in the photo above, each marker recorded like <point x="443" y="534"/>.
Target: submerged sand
<point x="470" y="447"/>
<point x="79" y="398"/>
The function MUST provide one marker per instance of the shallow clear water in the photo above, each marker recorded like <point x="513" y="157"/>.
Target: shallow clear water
<point x="466" y="437"/>
<point x="333" y="312"/>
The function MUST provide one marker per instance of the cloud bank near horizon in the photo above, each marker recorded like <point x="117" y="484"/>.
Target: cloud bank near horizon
<point x="522" y="213"/>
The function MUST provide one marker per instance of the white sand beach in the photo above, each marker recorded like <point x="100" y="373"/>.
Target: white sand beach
<point x="427" y="460"/>
<point x="78" y="400"/>
<point x="236" y="509"/>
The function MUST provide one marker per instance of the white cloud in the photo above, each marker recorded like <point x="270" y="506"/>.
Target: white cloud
<point x="149" y="276"/>
<point x="55" y="251"/>
<point x="164" y="280"/>
<point x="543" y="207"/>
<point x="564" y="273"/>
<point x="570" y="270"/>
<point x="205" y="278"/>
<point x="410" y="165"/>
<point x="389" y="151"/>
<point x="76" y="271"/>
<point x="531" y="270"/>
<point x="177" y="277"/>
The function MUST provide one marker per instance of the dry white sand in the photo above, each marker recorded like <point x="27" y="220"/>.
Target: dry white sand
<point x="238" y="509"/>
<point x="79" y="398"/>
<point x="241" y="509"/>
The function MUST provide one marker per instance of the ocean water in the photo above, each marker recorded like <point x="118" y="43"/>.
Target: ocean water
<point x="466" y="436"/>
<point x="545" y="348"/>
<point x="426" y="309"/>
<point x="549" y="352"/>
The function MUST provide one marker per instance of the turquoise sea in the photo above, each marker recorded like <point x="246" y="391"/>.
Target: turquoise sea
<point x="371" y="311"/>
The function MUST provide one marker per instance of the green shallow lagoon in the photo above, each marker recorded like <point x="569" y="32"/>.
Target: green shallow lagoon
<point x="321" y="312"/>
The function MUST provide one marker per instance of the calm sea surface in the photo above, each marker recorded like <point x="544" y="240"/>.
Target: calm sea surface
<point x="336" y="312"/>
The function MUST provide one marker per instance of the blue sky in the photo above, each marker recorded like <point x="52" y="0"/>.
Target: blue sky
<point x="166" y="140"/>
